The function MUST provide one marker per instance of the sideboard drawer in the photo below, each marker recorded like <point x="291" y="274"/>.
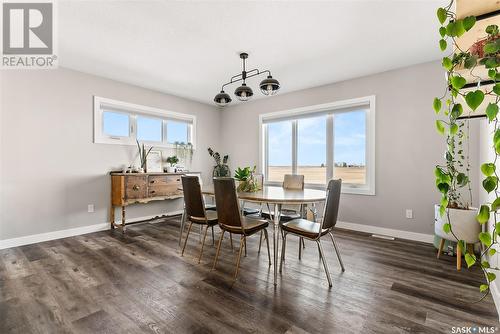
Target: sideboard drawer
<point x="135" y="186"/>
<point x="162" y="180"/>
<point x="164" y="190"/>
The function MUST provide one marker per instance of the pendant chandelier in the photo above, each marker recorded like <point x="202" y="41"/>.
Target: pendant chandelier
<point x="268" y="86"/>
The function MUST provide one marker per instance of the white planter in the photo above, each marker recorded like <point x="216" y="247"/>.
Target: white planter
<point x="170" y="169"/>
<point x="463" y="223"/>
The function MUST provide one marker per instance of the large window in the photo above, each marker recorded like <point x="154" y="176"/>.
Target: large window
<point x="311" y="149"/>
<point x="349" y="147"/>
<point x="279" y="148"/>
<point x="117" y="122"/>
<point x="335" y="140"/>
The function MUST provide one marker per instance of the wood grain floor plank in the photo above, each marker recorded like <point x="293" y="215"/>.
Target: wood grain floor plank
<point x="107" y="282"/>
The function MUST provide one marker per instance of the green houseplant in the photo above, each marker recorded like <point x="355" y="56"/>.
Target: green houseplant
<point x="172" y="161"/>
<point x="455" y="103"/>
<point x="246" y="179"/>
<point x="143" y="155"/>
<point x="221" y="168"/>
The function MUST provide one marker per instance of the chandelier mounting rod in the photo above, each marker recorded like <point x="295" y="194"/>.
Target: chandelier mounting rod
<point x="268" y="86"/>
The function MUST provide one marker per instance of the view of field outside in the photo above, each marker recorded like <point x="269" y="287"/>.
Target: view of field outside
<point x="349" y="148"/>
<point x="317" y="175"/>
<point x="311" y="149"/>
<point x="279" y="149"/>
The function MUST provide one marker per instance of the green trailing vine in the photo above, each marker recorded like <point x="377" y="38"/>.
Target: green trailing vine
<point x="184" y="151"/>
<point x="454" y="174"/>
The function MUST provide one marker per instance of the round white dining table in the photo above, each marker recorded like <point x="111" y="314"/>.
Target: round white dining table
<point x="277" y="196"/>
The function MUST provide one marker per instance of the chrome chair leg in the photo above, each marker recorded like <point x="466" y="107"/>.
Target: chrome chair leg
<point x="268" y="249"/>
<point x="218" y="249"/>
<point x="283" y="249"/>
<point x="300" y="248"/>
<point x="337" y="251"/>
<point x="201" y="231"/>
<point x="183" y="225"/>
<point x="324" y="263"/>
<point x="245" y="244"/>
<point x="260" y="241"/>
<point x="203" y="244"/>
<point x="213" y="237"/>
<point x="187" y="236"/>
<point x="303" y="243"/>
<point x="242" y="244"/>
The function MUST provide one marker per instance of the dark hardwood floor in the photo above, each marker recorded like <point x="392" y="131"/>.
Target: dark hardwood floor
<point x="138" y="283"/>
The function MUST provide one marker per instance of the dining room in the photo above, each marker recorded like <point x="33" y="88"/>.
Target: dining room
<point x="249" y="166"/>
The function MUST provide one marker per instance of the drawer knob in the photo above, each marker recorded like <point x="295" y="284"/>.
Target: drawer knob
<point x="135" y="187"/>
<point x="152" y="181"/>
<point x="152" y="191"/>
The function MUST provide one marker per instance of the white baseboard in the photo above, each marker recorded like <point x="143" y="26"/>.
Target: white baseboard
<point x="31" y="239"/>
<point x="428" y="238"/>
<point x="34" y="238"/>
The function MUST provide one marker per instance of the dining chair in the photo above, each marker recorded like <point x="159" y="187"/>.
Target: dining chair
<point x="210" y="207"/>
<point x="314" y="231"/>
<point x="231" y="220"/>
<point x="195" y="209"/>
<point x="290" y="182"/>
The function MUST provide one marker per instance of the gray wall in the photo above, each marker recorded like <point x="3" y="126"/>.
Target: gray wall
<point x="51" y="170"/>
<point x="407" y="146"/>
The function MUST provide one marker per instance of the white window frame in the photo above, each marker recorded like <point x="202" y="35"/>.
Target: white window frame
<point x="329" y="109"/>
<point x="102" y="104"/>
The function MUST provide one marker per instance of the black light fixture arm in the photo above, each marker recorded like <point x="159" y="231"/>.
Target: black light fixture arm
<point x="268" y="86"/>
<point x="245" y="75"/>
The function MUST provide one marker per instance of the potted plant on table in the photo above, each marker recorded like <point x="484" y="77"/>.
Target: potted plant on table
<point x="221" y="168"/>
<point x="143" y="156"/>
<point x="172" y="161"/>
<point x="455" y="220"/>
<point x="246" y="180"/>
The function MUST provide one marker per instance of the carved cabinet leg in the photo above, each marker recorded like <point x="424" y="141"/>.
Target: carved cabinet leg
<point x="123" y="219"/>
<point x="112" y="216"/>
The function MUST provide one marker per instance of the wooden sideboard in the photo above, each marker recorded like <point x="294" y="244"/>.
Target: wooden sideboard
<point x="132" y="188"/>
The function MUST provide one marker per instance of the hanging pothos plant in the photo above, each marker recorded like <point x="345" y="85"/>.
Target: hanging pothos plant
<point x="454" y="175"/>
<point x="184" y="151"/>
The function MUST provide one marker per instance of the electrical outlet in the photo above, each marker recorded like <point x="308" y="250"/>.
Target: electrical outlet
<point x="409" y="213"/>
<point x="90" y="208"/>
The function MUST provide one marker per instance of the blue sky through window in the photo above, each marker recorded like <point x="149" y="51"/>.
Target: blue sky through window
<point x="149" y="129"/>
<point x="280" y="143"/>
<point x="350" y="138"/>
<point x="349" y="141"/>
<point x="177" y="132"/>
<point x="115" y="124"/>
<point x="311" y="141"/>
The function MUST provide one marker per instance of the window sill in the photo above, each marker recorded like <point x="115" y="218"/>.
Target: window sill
<point x="126" y="142"/>
<point x="346" y="188"/>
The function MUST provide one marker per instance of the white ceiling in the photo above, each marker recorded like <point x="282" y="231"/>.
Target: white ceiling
<point x="191" y="48"/>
